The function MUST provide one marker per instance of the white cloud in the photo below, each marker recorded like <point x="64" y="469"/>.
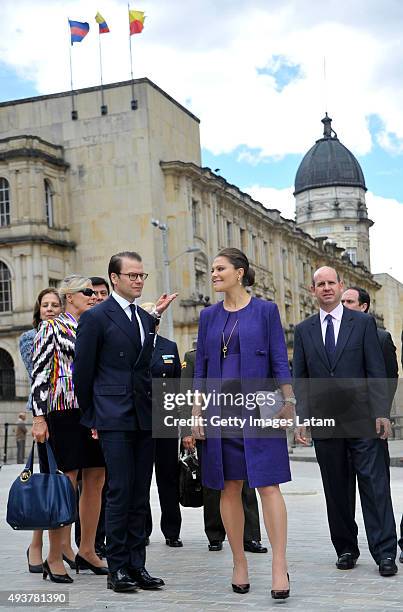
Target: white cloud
<point x="385" y="235"/>
<point x="209" y="52"/>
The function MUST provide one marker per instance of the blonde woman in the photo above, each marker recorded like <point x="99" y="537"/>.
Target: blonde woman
<point x="56" y="416"/>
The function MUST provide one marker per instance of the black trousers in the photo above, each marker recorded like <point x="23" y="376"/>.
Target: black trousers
<point x="337" y="459"/>
<point x="129" y="464"/>
<point x="213" y="525"/>
<point x="167" y="477"/>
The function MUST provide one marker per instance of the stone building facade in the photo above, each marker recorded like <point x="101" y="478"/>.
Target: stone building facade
<point x="72" y="192"/>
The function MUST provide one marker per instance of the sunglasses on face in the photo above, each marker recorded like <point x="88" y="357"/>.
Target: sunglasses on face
<point x="87" y="292"/>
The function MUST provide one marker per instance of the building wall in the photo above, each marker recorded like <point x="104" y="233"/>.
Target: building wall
<point x="389" y="301"/>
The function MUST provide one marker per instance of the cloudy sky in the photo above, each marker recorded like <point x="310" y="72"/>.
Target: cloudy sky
<point x="253" y="71"/>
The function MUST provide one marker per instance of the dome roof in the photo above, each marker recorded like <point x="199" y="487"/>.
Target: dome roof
<point x="328" y="163"/>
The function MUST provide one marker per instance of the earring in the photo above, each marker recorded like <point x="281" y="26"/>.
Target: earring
<point x="239" y="280"/>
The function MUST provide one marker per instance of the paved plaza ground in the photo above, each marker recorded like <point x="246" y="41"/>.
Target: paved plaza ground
<point x="199" y="580"/>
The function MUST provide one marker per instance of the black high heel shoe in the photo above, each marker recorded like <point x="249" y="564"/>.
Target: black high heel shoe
<point x="34" y="569"/>
<point x="70" y="563"/>
<point x="242" y="589"/>
<point x="62" y="578"/>
<point x="281" y="594"/>
<point x="83" y="564"/>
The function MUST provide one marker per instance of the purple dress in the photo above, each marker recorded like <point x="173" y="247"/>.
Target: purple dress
<point x="232" y="446"/>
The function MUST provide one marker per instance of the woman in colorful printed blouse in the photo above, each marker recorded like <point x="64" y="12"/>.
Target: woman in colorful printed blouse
<point x="47" y="306"/>
<point x="56" y="416"/>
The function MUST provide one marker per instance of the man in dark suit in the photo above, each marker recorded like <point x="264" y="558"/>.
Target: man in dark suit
<point x="166" y="369"/>
<point x="340" y="373"/>
<point x="356" y="298"/>
<point x="112" y="381"/>
<point x="213" y="525"/>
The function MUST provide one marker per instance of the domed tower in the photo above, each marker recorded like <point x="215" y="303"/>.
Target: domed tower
<point x="330" y="196"/>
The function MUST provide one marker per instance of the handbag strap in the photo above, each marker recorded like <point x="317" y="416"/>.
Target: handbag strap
<point x="29" y="467"/>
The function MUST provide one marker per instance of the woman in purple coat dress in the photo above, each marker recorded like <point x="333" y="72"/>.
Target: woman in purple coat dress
<point x="241" y="344"/>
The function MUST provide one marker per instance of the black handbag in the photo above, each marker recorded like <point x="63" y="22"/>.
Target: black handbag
<point x="41" y="501"/>
<point x="190" y="486"/>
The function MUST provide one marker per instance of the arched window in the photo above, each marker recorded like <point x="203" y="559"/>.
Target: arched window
<point x="48" y="203"/>
<point x="4" y="202"/>
<point x="7" y="376"/>
<point x="6" y="303"/>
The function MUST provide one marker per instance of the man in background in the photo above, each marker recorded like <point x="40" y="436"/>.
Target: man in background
<point x="20" y="436"/>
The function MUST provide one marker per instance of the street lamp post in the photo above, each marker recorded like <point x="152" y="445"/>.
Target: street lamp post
<point x="166" y="263"/>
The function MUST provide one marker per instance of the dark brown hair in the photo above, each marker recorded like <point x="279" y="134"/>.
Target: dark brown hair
<point x="115" y="263"/>
<point x="239" y="260"/>
<point x="36" y="318"/>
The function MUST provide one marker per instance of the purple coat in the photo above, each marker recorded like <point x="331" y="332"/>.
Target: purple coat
<point x="263" y="356"/>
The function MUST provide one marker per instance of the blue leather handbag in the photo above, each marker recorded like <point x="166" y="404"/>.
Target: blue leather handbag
<point x="41" y="501"/>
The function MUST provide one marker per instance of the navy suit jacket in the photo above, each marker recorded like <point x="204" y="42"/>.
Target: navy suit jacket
<point x="112" y="378"/>
<point x="389" y="355"/>
<point x="353" y="387"/>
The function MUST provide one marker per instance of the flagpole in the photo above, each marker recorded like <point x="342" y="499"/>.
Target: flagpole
<point x="74" y="114"/>
<point x="104" y="108"/>
<point x="133" y="101"/>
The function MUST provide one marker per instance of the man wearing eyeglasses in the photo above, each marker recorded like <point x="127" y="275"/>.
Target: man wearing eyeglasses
<point x="112" y="380"/>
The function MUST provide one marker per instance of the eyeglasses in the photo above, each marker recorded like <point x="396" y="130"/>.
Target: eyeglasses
<point x="133" y="276"/>
<point x="87" y="292"/>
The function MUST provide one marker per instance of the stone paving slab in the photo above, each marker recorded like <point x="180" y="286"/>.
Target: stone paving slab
<point x="198" y="580"/>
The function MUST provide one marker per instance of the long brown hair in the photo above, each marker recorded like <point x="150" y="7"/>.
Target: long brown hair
<point x="36" y="319"/>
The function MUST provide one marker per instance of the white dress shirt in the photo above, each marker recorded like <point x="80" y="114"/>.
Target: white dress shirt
<point x="123" y="303"/>
<point x="337" y="315"/>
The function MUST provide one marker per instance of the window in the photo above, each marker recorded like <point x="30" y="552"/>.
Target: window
<point x="255" y="249"/>
<point x="347" y="228"/>
<point x="4" y="202"/>
<point x="7" y="376"/>
<point x="5" y="288"/>
<point x="352" y="253"/>
<point x="229" y="233"/>
<point x="195" y="218"/>
<point x="54" y="282"/>
<point x="48" y="203"/>
<point x="244" y="244"/>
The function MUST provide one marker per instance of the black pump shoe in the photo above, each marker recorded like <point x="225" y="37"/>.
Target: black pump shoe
<point x="281" y="594"/>
<point x="34" y="569"/>
<point x="241" y="588"/>
<point x="71" y="563"/>
<point x="83" y="564"/>
<point x="62" y="578"/>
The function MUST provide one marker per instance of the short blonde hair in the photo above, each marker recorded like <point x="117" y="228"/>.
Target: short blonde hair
<point x="148" y="306"/>
<point x="72" y="284"/>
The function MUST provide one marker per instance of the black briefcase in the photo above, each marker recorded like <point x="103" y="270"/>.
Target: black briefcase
<point x="190" y="486"/>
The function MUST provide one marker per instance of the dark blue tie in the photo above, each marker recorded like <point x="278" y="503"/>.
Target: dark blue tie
<point x="330" y="342"/>
<point x="135" y="326"/>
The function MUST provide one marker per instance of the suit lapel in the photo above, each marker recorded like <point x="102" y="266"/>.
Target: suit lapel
<point x="316" y="333"/>
<point x="148" y="332"/>
<point x="118" y="316"/>
<point x="346" y="327"/>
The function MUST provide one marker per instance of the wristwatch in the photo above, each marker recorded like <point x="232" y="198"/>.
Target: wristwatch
<point x="290" y="400"/>
<point x="154" y="313"/>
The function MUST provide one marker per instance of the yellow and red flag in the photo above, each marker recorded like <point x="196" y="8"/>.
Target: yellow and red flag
<point x="136" y="21"/>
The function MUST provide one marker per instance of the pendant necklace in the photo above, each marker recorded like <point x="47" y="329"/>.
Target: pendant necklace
<point x="225" y="344"/>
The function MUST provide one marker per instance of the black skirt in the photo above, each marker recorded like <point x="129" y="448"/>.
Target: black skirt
<point x="72" y="443"/>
